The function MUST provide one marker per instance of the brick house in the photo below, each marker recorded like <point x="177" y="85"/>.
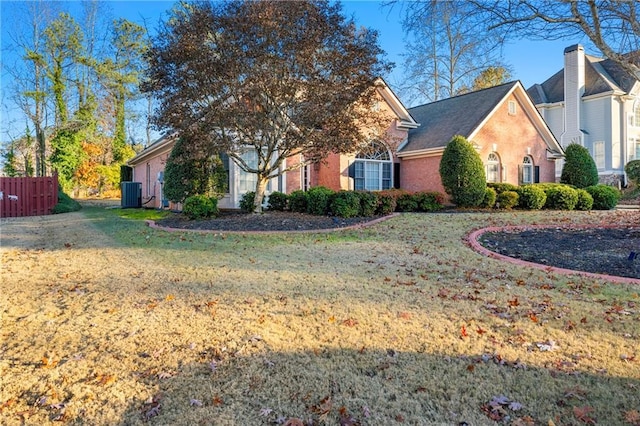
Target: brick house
<point x="513" y="141"/>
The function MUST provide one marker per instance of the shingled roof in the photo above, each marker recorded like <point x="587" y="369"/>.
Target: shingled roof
<point x="601" y="76"/>
<point x="459" y="115"/>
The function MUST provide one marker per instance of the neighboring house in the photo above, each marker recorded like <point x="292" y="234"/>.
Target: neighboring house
<point x="593" y="102"/>
<point x="511" y="137"/>
<point x="513" y="141"/>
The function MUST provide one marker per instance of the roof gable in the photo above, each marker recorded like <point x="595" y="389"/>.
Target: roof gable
<point x="459" y="115"/>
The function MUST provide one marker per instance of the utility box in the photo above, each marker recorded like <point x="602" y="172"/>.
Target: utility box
<point x="131" y="195"/>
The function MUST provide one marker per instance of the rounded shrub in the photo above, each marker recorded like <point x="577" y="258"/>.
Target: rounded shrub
<point x="200" y="207"/>
<point x="585" y="200"/>
<point x="633" y="171"/>
<point x="345" y="204"/>
<point x="604" y="197"/>
<point x="507" y="200"/>
<point x="407" y="202"/>
<point x="462" y="173"/>
<point x="318" y="200"/>
<point x="368" y="203"/>
<point x="579" y="169"/>
<point x="298" y="201"/>
<point x="429" y="201"/>
<point x="531" y="197"/>
<point x="278" y="201"/>
<point x="561" y="197"/>
<point x="246" y="202"/>
<point x="489" y="198"/>
<point x="501" y="187"/>
<point x="386" y="203"/>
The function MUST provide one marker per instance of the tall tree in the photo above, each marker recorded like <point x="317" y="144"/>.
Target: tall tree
<point x="613" y="26"/>
<point x="448" y="48"/>
<point x="269" y="78"/>
<point x="490" y="77"/>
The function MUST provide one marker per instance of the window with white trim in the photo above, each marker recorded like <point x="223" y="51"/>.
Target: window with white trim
<point x="598" y="154"/>
<point x="634" y="118"/>
<point x="527" y="170"/>
<point x="512" y="107"/>
<point x="634" y="144"/>
<point x="492" y="168"/>
<point x="372" y="168"/>
<point x="248" y="181"/>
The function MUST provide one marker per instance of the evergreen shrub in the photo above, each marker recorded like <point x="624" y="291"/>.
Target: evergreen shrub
<point x="585" y="200"/>
<point x="633" y="171"/>
<point x="507" y="200"/>
<point x="604" y="197"/>
<point x="501" y="187"/>
<point x="407" y="202"/>
<point x="579" y="169"/>
<point x="318" y="200"/>
<point x="345" y="204"/>
<point x="489" y="198"/>
<point x="386" y="203"/>
<point x="462" y="173"/>
<point x="278" y="201"/>
<point x="200" y="207"/>
<point x="531" y="197"/>
<point x="368" y="203"/>
<point x="561" y="197"/>
<point x="429" y="201"/>
<point x="298" y="201"/>
<point x="246" y="202"/>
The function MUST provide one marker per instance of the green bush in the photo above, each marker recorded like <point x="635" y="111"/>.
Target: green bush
<point x="531" y="197"/>
<point x="246" y="202"/>
<point x="604" y="197"/>
<point x="65" y="203"/>
<point x="429" y="201"/>
<point x="318" y="200"/>
<point x="386" y="203"/>
<point x="633" y="171"/>
<point x="407" y="202"/>
<point x="585" y="200"/>
<point x="501" y="187"/>
<point x="579" y="168"/>
<point x="278" y="201"/>
<point x="200" y="207"/>
<point x="298" y="201"/>
<point x="561" y="197"/>
<point x="462" y="173"/>
<point x="368" y="203"/>
<point x="507" y="200"/>
<point x="489" y="198"/>
<point x="345" y="204"/>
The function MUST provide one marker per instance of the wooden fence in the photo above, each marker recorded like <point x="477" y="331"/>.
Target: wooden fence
<point x="28" y="196"/>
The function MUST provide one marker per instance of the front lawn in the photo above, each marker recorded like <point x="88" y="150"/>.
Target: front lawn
<point x="106" y="321"/>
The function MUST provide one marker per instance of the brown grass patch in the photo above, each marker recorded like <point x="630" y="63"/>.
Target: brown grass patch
<point x="105" y="321"/>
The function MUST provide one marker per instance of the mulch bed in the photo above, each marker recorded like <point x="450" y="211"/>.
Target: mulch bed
<point x="235" y="221"/>
<point x="597" y="250"/>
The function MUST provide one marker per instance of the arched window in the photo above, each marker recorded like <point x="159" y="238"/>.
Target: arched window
<point x="527" y="170"/>
<point x="493" y="168"/>
<point x="372" y="168"/>
<point x="636" y="114"/>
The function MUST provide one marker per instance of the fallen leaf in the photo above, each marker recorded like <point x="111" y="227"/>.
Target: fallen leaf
<point x="514" y="302"/>
<point x="481" y="331"/>
<point x="294" y="422"/>
<point x="48" y="362"/>
<point x="105" y="379"/>
<point x="463" y="331"/>
<point x="632" y="417"/>
<point x="584" y="414"/>
<point x="350" y="322"/>
<point x="169" y="298"/>
<point x="264" y="412"/>
<point x="217" y="400"/>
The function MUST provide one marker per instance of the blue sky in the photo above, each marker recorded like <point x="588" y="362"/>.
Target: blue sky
<point x="531" y="62"/>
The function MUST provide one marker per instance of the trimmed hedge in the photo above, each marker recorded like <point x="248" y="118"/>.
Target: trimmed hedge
<point x="531" y="197"/>
<point x="585" y="200"/>
<point x="429" y="201"/>
<point x="462" y="173"/>
<point x="489" y="198"/>
<point x="633" y="171"/>
<point x="368" y="203"/>
<point x="502" y="187"/>
<point x="561" y="197"/>
<point x="579" y="169"/>
<point x="278" y="201"/>
<point x="604" y="197"/>
<point x="200" y="207"/>
<point x="298" y="201"/>
<point x="318" y="200"/>
<point x="345" y="204"/>
<point x="386" y="203"/>
<point x="407" y="203"/>
<point x="507" y="200"/>
<point x="246" y="202"/>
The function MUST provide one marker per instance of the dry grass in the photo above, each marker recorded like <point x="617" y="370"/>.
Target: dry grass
<point x="105" y="321"/>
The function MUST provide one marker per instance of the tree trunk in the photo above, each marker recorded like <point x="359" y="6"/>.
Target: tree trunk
<point x="261" y="186"/>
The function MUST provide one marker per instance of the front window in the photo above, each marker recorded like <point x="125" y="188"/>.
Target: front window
<point x="598" y="154"/>
<point x="372" y="168"/>
<point x="635" y="115"/>
<point x="248" y="181"/>
<point x="527" y="170"/>
<point x="635" y="149"/>
<point x="493" y="168"/>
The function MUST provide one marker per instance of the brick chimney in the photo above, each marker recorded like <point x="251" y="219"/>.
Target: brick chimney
<point x="574" y="65"/>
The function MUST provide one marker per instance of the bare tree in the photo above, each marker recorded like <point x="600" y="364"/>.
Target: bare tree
<point x="447" y="47"/>
<point x="612" y="26"/>
<point x="273" y="78"/>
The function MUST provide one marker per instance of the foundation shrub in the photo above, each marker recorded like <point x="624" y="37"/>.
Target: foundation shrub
<point x="501" y="187"/>
<point x="561" y="197"/>
<point x="633" y="171"/>
<point x="318" y="200"/>
<point x="585" y="200"/>
<point x="386" y="203"/>
<point x="489" y="198"/>
<point x="345" y="204"/>
<point x="604" y="197"/>
<point x="429" y="201"/>
<point x="246" y="202"/>
<point x="298" y="201"/>
<point x="531" y="197"/>
<point x="278" y="201"/>
<point x="200" y="207"/>
<point x="579" y="169"/>
<point x="407" y="203"/>
<point x="462" y="173"/>
<point x="368" y="203"/>
<point x="507" y="200"/>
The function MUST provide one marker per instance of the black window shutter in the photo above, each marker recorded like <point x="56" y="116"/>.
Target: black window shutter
<point x="352" y="170"/>
<point x="536" y="174"/>
<point x="396" y="175"/>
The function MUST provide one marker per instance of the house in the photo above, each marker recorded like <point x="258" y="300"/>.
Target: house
<point x="594" y="103"/>
<point x="513" y="141"/>
<point x="512" y="138"/>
